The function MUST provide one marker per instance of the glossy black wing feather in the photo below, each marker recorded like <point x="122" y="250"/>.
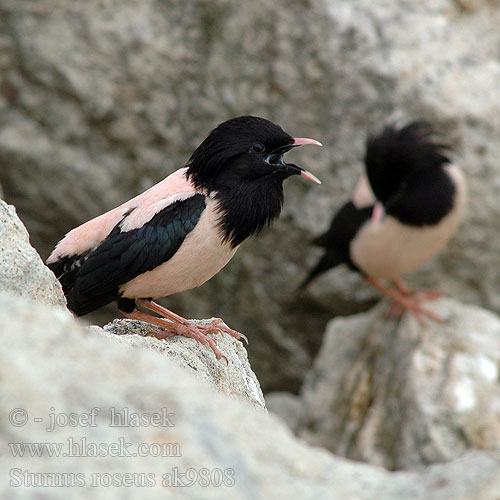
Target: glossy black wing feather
<point x="344" y="227"/>
<point x="122" y="256"/>
<point x="336" y="241"/>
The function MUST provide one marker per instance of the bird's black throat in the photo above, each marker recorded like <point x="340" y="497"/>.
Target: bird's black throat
<point x="246" y="208"/>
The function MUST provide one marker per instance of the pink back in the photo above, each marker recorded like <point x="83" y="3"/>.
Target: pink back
<point x="141" y="209"/>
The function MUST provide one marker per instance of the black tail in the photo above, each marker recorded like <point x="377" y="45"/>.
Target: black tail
<point x="329" y="260"/>
<point x="66" y="270"/>
<point x="337" y="240"/>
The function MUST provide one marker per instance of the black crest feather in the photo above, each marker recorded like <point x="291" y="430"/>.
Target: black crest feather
<point x="397" y="152"/>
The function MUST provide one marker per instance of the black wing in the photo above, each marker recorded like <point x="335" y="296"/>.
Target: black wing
<point x="336" y="241"/>
<point x="93" y="280"/>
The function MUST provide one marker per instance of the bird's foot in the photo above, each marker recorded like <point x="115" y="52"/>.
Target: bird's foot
<point x="414" y="306"/>
<point x="421" y="295"/>
<point x="407" y="301"/>
<point x="177" y="325"/>
<point x="215" y="326"/>
<point x="218" y="326"/>
<point x="185" y="328"/>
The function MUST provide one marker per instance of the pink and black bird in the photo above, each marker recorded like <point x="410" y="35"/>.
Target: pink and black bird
<point x="402" y="212"/>
<point x="179" y="233"/>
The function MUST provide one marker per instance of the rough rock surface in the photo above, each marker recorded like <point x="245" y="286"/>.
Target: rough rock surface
<point x="227" y="450"/>
<point x="236" y="379"/>
<point x="98" y="101"/>
<point x="403" y="396"/>
<point x="21" y="269"/>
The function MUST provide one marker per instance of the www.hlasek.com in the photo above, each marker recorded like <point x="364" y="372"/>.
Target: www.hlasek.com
<point x="175" y="478"/>
<point x="84" y="447"/>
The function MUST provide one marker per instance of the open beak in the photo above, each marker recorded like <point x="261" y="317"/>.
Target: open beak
<point x="276" y="159"/>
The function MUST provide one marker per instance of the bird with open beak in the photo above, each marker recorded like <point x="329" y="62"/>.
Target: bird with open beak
<point x="179" y="233"/>
<point x="402" y="212"/>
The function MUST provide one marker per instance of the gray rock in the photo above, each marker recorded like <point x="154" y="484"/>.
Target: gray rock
<point x="287" y="406"/>
<point x="401" y="395"/>
<point x="21" y="269"/>
<point x="57" y="368"/>
<point x="99" y="102"/>
<point x="236" y="379"/>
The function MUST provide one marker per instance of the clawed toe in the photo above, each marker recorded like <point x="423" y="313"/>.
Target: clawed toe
<point x="217" y="326"/>
<point x="195" y="332"/>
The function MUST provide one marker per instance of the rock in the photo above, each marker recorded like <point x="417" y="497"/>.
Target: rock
<point x="403" y="396"/>
<point x="235" y="379"/>
<point x="287" y="406"/>
<point x="97" y="103"/>
<point x="21" y="269"/>
<point x="64" y="386"/>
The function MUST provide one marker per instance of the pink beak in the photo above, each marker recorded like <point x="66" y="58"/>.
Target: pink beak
<point x="303" y="141"/>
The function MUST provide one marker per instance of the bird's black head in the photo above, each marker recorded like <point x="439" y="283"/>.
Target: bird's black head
<point x="244" y="149"/>
<point x="404" y="167"/>
<point x="242" y="162"/>
<point x="396" y="154"/>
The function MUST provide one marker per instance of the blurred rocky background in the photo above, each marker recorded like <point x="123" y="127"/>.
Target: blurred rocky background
<point x="400" y="394"/>
<point x="99" y="99"/>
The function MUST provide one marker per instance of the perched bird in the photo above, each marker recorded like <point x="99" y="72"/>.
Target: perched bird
<point x="402" y="212"/>
<point x="182" y="231"/>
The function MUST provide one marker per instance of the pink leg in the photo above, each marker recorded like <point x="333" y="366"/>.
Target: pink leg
<point x="400" y="285"/>
<point x="396" y="308"/>
<point x="422" y="295"/>
<point x="411" y="304"/>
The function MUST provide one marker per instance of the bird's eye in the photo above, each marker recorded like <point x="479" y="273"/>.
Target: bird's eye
<point x="258" y="147"/>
